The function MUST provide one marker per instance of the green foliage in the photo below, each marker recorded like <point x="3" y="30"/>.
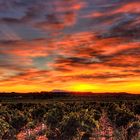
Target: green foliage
<point x="120" y="115"/>
<point x="18" y="122"/>
<point x="54" y="116"/>
<point x="87" y="119"/>
<point x="38" y="113"/>
<point x="4" y="127"/>
<point x="68" y="120"/>
<point x="133" y="130"/>
<point x="69" y="126"/>
<point x="31" y="125"/>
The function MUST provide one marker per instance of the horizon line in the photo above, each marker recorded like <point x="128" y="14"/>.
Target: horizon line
<point x="67" y="92"/>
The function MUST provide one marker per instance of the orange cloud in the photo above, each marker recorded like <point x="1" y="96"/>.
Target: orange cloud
<point x="71" y="45"/>
<point x="129" y="7"/>
<point x="66" y="6"/>
<point x="80" y="57"/>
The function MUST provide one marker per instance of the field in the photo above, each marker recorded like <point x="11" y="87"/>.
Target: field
<point x="70" y="118"/>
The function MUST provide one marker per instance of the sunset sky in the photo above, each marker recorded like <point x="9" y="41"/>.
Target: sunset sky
<point x="73" y="45"/>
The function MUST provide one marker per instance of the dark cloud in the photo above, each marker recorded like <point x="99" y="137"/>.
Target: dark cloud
<point x="62" y="69"/>
<point x="8" y="20"/>
<point x="104" y="76"/>
<point x="77" y="60"/>
<point x="124" y="59"/>
<point x="124" y="29"/>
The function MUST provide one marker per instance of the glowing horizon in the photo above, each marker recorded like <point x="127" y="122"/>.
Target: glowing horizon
<point x="77" y="45"/>
<point x="126" y="87"/>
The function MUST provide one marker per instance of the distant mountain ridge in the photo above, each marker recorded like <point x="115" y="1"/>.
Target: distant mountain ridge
<point x="67" y="96"/>
<point x="58" y="90"/>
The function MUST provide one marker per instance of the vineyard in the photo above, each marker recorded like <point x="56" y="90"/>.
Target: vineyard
<point x="85" y="120"/>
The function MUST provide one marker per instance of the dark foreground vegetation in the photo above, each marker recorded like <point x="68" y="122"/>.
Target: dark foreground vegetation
<point x="37" y="97"/>
<point x="84" y="120"/>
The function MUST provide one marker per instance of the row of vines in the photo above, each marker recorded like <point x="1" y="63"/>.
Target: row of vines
<point x="70" y="121"/>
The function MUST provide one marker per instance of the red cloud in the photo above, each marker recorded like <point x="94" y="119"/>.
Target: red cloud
<point x="129" y="7"/>
<point x="67" y="6"/>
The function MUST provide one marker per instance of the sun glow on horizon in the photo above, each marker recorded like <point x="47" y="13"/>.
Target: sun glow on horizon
<point x="83" y="87"/>
<point x="129" y="87"/>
